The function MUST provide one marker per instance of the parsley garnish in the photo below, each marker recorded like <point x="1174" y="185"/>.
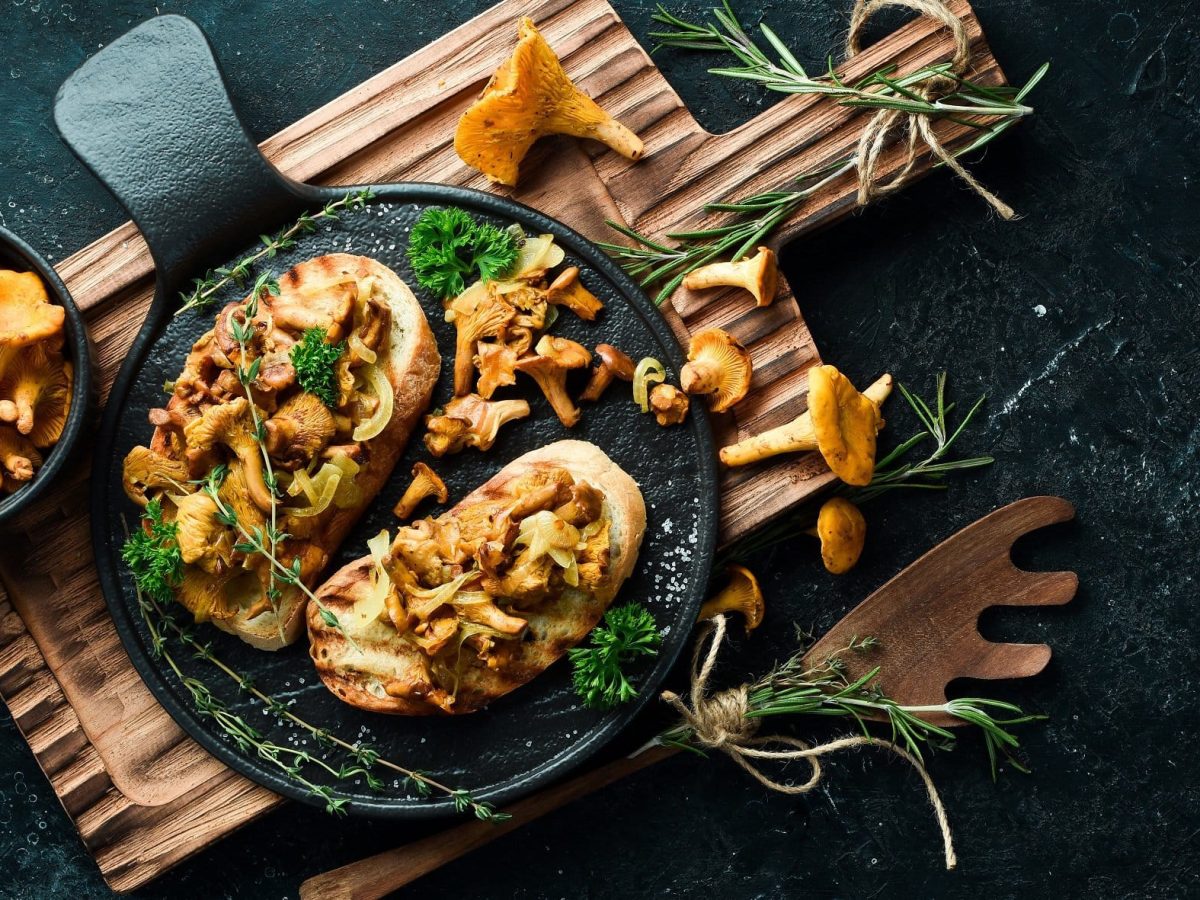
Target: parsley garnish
<point x="447" y="246"/>
<point x="313" y="359"/>
<point x="153" y="555"/>
<point x="627" y="633"/>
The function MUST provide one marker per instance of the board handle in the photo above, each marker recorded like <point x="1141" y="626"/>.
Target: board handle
<point x="151" y="117"/>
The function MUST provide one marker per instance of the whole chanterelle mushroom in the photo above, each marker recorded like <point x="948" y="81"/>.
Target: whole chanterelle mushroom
<point x="148" y="470"/>
<point x="718" y="367"/>
<point x="839" y="421"/>
<point x="470" y="421"/>
<point x="741" y="595"/>
<point x="477" y="315"/>
<point x="425" y="483"/>
<point x="530" y="96"/>
<point x="612" y="364"/>
<point x="567" y="290"/>
<point x="229" y="424"/>
<point x="300" y="429"/>
<point x="555" y="357"/>
<point x="759" y="274"/>
<point x="842" y="531"/>
<point x="26" y="314"/>
<point x="37" y="384"/>
<point x="669" y="404"/>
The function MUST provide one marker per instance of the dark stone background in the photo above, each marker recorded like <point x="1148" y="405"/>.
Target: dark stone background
<point x="1081" y="323"/>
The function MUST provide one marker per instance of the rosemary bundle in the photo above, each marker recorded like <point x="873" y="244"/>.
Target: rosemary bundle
<point x="204" y="290"/>
<point x="988" y="110"/>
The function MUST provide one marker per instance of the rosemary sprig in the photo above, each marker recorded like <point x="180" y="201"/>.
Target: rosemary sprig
<point x="892" y="472"/>
<point x="289" y="760"/>
<point x="796" y="688"/>
<point x="205" y="289"/>
<point x="754" y="218"/>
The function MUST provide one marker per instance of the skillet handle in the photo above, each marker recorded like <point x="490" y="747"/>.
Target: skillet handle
<point x="151" y="117"/>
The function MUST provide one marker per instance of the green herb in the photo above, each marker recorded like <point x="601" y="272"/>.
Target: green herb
<point x="292" y="762"/>
<point x="628" y="633"/>
<point x="153" y="555"/>
<point x="313" y="359"/>
<point x="204" y="290"/>
<point x="895" y="471"/>
<point x="752" y="220"/>
<point x="796" y="688"/>
<point x="447" y="246"/>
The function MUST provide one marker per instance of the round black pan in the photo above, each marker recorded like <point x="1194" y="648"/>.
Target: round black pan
<point x="150" y="116"/>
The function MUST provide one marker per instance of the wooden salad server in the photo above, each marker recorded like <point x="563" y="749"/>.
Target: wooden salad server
<point x="926" y="619"/>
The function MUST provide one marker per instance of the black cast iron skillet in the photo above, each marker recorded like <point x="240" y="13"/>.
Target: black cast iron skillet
<point x="150" y="116"/>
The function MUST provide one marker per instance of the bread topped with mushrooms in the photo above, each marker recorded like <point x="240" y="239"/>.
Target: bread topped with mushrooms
<point x="463" y="608"/>
<point x="286" y="420"/>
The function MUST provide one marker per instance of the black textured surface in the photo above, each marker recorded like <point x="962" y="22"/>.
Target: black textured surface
<point x="536" y="733"/>
<point x="1080" y="320"/>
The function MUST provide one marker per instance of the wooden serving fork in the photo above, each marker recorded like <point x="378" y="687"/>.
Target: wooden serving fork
<point x="926" y="619"/>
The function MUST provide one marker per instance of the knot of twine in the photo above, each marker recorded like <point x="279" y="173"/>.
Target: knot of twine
<point x="718" y="722"/>
<point x="913" y="128"/>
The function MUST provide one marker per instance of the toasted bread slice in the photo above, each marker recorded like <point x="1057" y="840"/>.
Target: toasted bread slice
<point x="357" y="674"/>
<point x="411" y="361"/>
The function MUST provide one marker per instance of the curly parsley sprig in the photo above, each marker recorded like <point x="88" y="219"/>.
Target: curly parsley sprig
<point x="447" y="246"/>
<point x="313" y="358"/>
<point x="628" y="633"/>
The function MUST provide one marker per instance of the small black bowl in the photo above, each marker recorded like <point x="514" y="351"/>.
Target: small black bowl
<point x="18" y="256"/>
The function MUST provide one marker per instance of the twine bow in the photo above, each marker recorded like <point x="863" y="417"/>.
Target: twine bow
<point x="887" y="124"/>
<point x="718" y="722"/>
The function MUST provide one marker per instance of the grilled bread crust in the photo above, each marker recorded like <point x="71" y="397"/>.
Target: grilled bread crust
<point x="555" y="625"/>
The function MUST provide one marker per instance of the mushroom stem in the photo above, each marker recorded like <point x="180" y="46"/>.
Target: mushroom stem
<point x="758" y="274"/>
<point x="795" y="436"/>
<point x="617" y="137"/>
<point x="701" y="376"/>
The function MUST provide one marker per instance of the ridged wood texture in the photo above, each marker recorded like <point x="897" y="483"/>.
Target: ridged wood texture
<point x="142" y="794"/>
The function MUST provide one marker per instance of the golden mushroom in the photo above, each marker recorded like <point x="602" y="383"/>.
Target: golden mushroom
<point x="567" y="290"/>
<point x="530" y="96"/>
<point x="613" y="364"/>
<point x="842" y="531"/>
<point x="758" y="274"/>
<point x="496" y="364"/>
<point x="229" y="424"/>
<point x="470" y="421"/>
<point x="718" y="367"/>
<point x="425" y="483"/>
<point x="19" y="459"/>
<point x="26" y="314"/>
<point x="555" y="357"/>
<point x="36" y="390"/>
<point x="477" y="315"/>
<point x="669" y="404"/>
<point x="741" y="595"/>
<point x="836" y="423"/>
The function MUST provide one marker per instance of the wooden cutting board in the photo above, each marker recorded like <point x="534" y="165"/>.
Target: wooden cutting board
<point x="142" y="794"/>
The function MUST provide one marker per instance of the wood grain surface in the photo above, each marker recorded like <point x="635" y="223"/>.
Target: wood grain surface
<point x="142" y="794"/>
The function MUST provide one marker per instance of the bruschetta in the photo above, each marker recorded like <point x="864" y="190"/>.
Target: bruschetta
<point x="460" y="609"/>
<point x="280" y="430"/>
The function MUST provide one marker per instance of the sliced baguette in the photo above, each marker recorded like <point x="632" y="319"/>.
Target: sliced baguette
<point x="412" y="365"/>
<point x="356" y="674"/>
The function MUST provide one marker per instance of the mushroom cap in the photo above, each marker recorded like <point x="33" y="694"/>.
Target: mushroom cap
<point x="718" y="365"/>
<point x="530" y="96"/>
<point x="26" y="313"/>
<point x="430" y="482"/>
<point x="564" y="351"/>
<point x="146" y="469"/>
<point x="845" y="423"/>
<point x="763" y="269"/>
<point x="741" y="594"/>
<point x="495" y="363"/>
<point x="38" y="383"/>
<point x="843" y="531"/>
<point x="669" y="404"/>
<point x="617" y="361"/>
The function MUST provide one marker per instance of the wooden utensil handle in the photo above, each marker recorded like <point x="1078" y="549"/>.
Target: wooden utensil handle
<point x="379" y="875"/>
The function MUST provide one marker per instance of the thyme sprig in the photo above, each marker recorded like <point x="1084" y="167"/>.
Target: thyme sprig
<point x="990" y="110"/>
<point x="204" y="290"/>
<point x="892" y="472"/>
<point x="290" y="761"/>
<point x="798" y="688"/>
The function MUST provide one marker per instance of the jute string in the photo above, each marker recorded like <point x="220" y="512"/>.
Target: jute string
<point x="718" y="722"/>
<point x="912" y="128"/>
